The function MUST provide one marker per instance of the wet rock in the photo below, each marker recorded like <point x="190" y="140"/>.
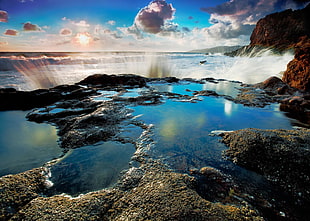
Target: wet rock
<point x="11" y="99"/>
<point x="275" y="86"/>
<point x="103" y="80"/>
<point x="18" y="190"/>
<point x="91" y="206"/>
<point x="158" y="194"/>
<point x="100" y="125"/>
<point x="25" y="100"/>
<point x="297" y="73"/>
<point x="252" y="96"/>
<point x="215" y="186"/>
<point x="164" y="195"/>
<point x="299" y="112"/>
<point x="283" y="156"/>
<point x="272" y="90"/>
<point x="206" y="93"/>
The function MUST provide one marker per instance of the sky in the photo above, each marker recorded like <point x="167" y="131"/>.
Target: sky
<point x="131" y="25"/>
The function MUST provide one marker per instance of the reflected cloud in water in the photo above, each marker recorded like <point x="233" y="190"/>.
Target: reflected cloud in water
<point x="25" y="145"/>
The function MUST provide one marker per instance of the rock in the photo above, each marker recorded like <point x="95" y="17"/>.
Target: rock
<point x="215" y="186"/>
<point x="158" y="194"/>
<point x="288" y="29"/>
<point x="18" y="190"/>
<point x="282" y="30"/>
<point x="11" y="99"/>
<point x="297" y="73"/>
<point x="283" y="156"/>
<point x="275" y="86"/>
<point x="206" y="93"/>
<point x="114" y="80"/>
<point x="25" y="100"/>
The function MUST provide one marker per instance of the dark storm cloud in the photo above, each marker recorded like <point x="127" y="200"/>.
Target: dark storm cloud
<point x="3" y="16"/>
<point x="246" y="11"/>
<point x="30" y="27"/>
<point x="151" y="19"/>
<point x="11" y="32"/>
<point x="186" y="29"/>
<point x="238" y="17"/>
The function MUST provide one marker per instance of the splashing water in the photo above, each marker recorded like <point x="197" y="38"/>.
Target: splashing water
<point x="46" y="70"/>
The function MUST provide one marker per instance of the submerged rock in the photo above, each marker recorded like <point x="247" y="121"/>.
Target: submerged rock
<point x="283" y="156"/>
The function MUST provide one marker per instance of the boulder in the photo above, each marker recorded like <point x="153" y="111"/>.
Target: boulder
<point x="114" y="80"/>
<point x="297" y="73"/>
<point x="283" y="156"/>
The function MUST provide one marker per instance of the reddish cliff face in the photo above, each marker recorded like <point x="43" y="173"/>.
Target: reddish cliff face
<point x="297" y="73"/>
<point x="283" y="30"/>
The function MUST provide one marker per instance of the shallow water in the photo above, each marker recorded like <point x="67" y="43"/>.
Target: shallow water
<point x="182" y="128"/>
<point x="90" y="168"/>
<point x="25" y="145"/>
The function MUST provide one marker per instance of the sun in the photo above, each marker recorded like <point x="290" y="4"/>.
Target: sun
<point x="83" y="39"/>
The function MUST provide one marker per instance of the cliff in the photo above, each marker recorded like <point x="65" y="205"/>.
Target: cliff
<point x="282" y="30"/>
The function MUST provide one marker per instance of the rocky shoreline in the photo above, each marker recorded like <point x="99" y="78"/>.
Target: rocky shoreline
<point x="152" y="191"/>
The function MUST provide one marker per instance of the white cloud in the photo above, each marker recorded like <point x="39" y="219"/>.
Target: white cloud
<point x="111" y="22"/>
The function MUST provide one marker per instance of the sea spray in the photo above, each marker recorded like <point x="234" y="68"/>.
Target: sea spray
<point x="44" y="71"/>
<point x="254" y="69"/>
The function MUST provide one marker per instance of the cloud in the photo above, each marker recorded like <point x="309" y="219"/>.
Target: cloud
<point x="31" y="27"/>
<point x="250" y="11"/>
<point x="11" y="32"/>
<point x="3" y="43"/>
<point x="239" y="17"/>
<point x="65" y="32"/>
<point x="111" y="22"/>
<point x="151" y="19"/>
<point x="3" y="16"/>
<point x="132" y="31"/>
<point x="81" y="23"/>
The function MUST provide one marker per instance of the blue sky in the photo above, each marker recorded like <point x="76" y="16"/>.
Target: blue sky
<point x="171" y="25"/>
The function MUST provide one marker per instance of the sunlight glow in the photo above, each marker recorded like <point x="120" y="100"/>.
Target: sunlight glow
<point x="83" y="39"/>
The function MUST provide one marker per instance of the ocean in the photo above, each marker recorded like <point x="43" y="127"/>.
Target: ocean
<point x="33" y="70"/>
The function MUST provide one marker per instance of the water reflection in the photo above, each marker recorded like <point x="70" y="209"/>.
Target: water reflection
<point x="25" y="145"/>
<point x="91" y="168"/>
<point x="228" y="105"/>
<point x="183" y="127"/>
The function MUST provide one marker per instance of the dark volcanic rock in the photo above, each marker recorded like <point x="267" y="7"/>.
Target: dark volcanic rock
<point x="283" y="156"/>
<point x="114" y="80"/>
<point x="11" y="99"/>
